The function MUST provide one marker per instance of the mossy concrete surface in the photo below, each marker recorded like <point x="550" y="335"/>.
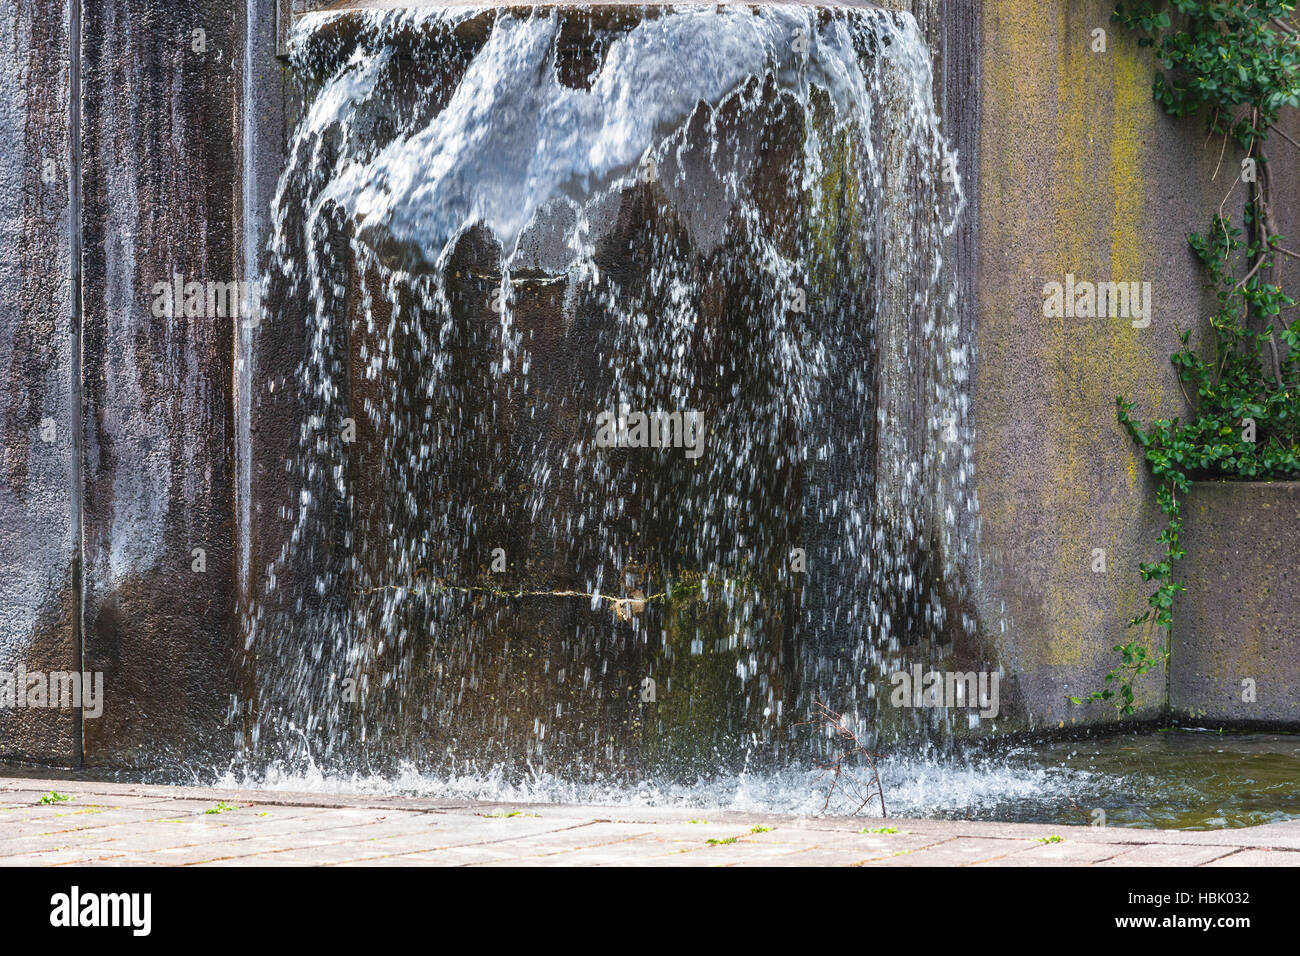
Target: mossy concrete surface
<point x="1080" y="174"/>
<point x="1236" y="648"/>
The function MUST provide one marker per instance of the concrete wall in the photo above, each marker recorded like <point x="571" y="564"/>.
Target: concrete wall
<point x="1070" y="168"/>
<point x="161" y="179"/>
<point x="141" y="470"/>
<point x="38" y="392"/>
<point x="1237" y="621"/>
<point x="1081" y="173"/>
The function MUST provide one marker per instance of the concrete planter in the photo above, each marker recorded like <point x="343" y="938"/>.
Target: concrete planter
<point x="1236" y="646"/>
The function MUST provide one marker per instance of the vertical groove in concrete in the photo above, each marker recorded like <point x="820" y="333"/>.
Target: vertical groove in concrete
<point x="953" y="34"/>
<point x="959" y="106"/>
<point x="259" y="353"/>
<point x="78" y="434"/>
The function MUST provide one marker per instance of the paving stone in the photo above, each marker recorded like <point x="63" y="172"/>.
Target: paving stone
<point x="816" y="856"/>
<point x="1066" y="853"/>
<point x="1163" y="854"/>
<point x="959" y="851"/>
<point x="453" y="856"/>
<point x="1258" y="858"/>
<point x="115" y="824"/>
<point x="324" y="855"/>
<point x="63" y="856"/>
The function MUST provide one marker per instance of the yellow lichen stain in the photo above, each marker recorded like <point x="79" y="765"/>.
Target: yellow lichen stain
<point x="1067" y="194"/>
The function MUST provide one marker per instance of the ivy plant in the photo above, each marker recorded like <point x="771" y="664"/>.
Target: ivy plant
<point x="1239" y="59"/>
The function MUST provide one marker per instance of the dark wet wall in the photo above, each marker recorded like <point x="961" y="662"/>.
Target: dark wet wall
<point x="160" y="141"/>
<point x="133" y="453"/>
<point x="37" y="395"/>
<point x="171" y="416"/>
<point x="171" y="438"/>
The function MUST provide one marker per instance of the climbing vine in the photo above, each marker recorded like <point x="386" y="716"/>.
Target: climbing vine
<point x="1240" y="61"/>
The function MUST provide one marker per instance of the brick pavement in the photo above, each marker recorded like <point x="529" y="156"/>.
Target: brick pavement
<point x="114" y="824"/>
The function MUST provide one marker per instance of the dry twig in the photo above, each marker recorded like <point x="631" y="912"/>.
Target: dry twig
<point x="843" y="770"/>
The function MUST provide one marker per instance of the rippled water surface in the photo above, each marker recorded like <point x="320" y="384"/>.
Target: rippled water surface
<point x="1174" y="779"/>
<point x="1171" y="779"/>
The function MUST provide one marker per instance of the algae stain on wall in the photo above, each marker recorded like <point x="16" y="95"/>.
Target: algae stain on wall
<point x="1070" y="193"/>
<point x="1015" y="398"/>
<point x="1106" y="101"/>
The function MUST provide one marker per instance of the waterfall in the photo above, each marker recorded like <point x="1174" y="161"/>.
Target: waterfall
<point x="634" y="408"/>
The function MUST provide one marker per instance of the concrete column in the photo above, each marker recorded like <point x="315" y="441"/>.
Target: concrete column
<point x="161" y="137"/>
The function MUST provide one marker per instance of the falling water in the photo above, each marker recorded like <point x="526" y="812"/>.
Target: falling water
<point x="498" y="225"/>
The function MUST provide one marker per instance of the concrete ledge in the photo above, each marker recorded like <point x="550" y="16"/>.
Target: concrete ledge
<point x="1237" y="621"/>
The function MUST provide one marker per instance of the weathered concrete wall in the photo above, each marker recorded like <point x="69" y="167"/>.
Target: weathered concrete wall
<point x="161" y="180"/>
<point x="1080" y="173"/>
<point x="1237" y="620"/>
<point x="146" y="461"/>
<point x="38" y="411"/>
<point x="1069" y="166"/>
